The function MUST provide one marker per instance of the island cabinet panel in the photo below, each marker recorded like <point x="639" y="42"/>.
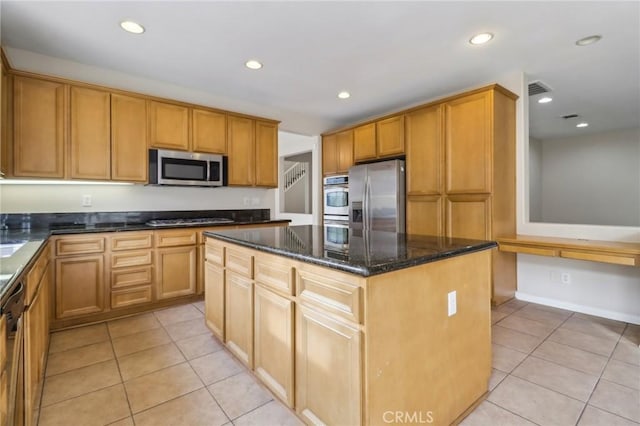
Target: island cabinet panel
<point x="239" y="316"/>
<point x="330" y="291"/>
<point x="364" y="143"/>
<point x="129" y="155"/>
<point x="168" y="126"/>
<point x="328" y="369"/>
<point x="241" y="151"/>
<point x="273" y="342"/>
<point x="275" y="273"/>
<point x="469" y="147"/>
<point x="80" y="285"/>
<point x="175" y="271"/>
<point x="266" y="154"/>
<point x="214" y="312"/>
<point x="390" y="133"/>
<point x="90" y="134"/>
<point x="39" y="127"/>
<point x="209" y="131"/>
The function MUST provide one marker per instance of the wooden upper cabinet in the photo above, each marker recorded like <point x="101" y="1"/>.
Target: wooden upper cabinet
<point x="344" y="146"/>
<point x="209" y="130"/>
<point x="241" y="151"/>
<point x="364" y="142"/>
<point x="90" y="134"/>
<point x="329" y="155"/>
<point x="168" y="126"/>
<point x="5" y="146"/>
<point x="424" y="145"/>
<point x="129" y="158"/>
<point x="266" y="154"/>
<point x="39" y="127"/>
<point x="390" y="136"/>
<point x="468" y="122"/>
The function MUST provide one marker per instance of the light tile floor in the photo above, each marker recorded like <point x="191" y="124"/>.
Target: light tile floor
<point x="550" y="367"/>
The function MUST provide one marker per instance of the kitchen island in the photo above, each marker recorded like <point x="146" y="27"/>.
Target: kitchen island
<point x="387" y="328"/>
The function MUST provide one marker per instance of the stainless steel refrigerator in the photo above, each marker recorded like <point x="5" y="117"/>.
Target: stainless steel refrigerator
<point x="377" y="196"/>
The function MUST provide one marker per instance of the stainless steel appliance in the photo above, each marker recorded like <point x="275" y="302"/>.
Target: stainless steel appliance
<point x="336" y="197"/>
<point x="14" y="370"/>
<point x="377" y="192"/>
<point x="186" y="168"/>
<point x="336" y="234"/>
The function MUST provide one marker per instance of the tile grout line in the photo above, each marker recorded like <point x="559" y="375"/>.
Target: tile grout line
<point x="124" y="388"/>
<point x="509" y="411"/>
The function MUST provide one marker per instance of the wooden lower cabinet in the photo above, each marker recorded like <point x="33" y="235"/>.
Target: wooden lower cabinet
<point x="80" y="285"/>
<point x="176" y="271"/>
<point x="36" y="342"/>
<point x="425" y="215"/>
<point x="214" y="302"/>
<point x="328" y="369"/>
<point x="468" y="216"/>
<point x="273" y="342"/>
<point x="239" y="316"/>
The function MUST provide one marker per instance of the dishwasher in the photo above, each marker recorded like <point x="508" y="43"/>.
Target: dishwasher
<point x="13" y="391"/>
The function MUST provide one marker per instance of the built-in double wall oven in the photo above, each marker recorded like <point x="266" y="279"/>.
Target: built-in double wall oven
<point x="336" y="212"/>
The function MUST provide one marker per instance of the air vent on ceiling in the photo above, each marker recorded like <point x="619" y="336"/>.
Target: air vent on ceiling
<point x="537" y="87"/>
<point x="568" y="116"/>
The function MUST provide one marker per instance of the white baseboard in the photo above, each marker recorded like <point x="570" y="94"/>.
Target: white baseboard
<point x="589" y="310"/>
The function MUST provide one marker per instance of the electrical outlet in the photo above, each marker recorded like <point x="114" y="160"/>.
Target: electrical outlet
<point x="86" y="201"/>
<point x="452" y="304"/>
<point x="565" y="278"/>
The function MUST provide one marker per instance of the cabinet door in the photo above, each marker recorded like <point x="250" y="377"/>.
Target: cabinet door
<point x="241" y="151"/>
<point x="468" y="216"/>
<point x="209" y="131"/>
<point x="176" y="272"/>
<point x="129" y="155"/>
<point x="424" y="151"/>
<point x="345" y="151"/>
<point x="238" y="322"/>
<point x="328" y="370"/>
<point x="5" y="146"/>
<point x="214" y="298"/>
<point x="425" y="215"/>
<point x="80" y="284"/>
<point x="90" y="134"/>
<point x="329" y="155"/>
<point x="468" y="144"/>
<point x="266" y="154"/>
<point x="364" y="142"/>
<point x="390" y="136"/>
<point x="273" y="339"/>
<point x="35" y="344"/>
<point x="39" y="127"/>
<point x="168" y="126"/>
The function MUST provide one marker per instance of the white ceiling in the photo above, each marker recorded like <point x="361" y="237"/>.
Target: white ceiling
<point x="387" y="54"/>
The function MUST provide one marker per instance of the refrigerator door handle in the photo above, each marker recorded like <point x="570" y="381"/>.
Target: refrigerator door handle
<point x="367" y="194"/>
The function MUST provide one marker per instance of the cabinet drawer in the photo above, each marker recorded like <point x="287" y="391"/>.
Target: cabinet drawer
<point x="329" y="294"/>
<point x="214" y="252"/>
<point x="239" y="261"/>
<point x="275" y="275"/>
<point x="174" y="238"/>
<point x="3" y="339"/>
<point x="79" y="245"/>
<point x="131" y="258"/>
<point x="131" y="241"/>
<point x="130" y="296"/>
<point x="128" y="277"/>
<point x="35" y="275"/>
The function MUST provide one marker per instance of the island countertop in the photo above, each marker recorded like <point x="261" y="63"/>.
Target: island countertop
<point x="366" y="253"/>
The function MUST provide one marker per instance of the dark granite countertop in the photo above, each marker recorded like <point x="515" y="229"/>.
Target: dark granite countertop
<point x="29" y="241"/>
<point x="366" y="253"/>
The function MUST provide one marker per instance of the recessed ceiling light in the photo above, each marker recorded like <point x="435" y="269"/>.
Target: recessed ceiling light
<point x="481" y="38"/>
<point x="132" y="27"/>
<point x="253" y="64"/>
<point x="344" y="95"/>
<point x="583" y="124"/>
<point x="588" y="40"/>
<point x="545" y="100"/>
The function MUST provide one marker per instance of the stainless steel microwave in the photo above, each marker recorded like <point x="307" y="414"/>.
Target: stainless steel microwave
<point x="186" y="168"/>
